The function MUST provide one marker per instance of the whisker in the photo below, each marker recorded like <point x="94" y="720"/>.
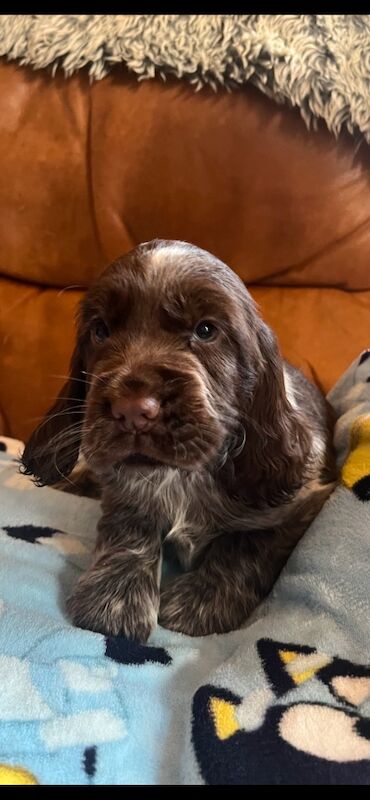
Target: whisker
<point x="64" y="434"/>
<point x="66" y="397"/>
<point x="97" y="377"/>
<point x="65" y="477"/>
<point x="66" y="412"/>
<point x="71" y="378"/>
<point x="73" y="286"/>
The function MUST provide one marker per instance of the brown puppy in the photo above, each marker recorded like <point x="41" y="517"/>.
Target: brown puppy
<point x="199" y="435"/>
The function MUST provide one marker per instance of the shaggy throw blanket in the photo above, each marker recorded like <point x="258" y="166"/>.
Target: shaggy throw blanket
<point x="319" y="63"/>
<point x="285" y="700"/>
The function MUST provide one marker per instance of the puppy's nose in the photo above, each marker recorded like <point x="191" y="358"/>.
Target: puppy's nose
<point x="136" y="413"/>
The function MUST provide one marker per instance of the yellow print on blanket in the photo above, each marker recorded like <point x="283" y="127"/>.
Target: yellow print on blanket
<point x="356" y="469"/>
<point x="16" y="776"/>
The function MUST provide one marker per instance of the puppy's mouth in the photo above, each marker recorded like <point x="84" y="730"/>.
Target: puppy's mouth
<point x="190" y="446"/>
<point x="140" y="460"/>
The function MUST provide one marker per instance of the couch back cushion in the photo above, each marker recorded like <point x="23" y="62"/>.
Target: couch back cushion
<point x="89" y="171"/>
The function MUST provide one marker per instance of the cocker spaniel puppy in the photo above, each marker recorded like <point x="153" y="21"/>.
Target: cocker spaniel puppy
<point x="200" y="437"/>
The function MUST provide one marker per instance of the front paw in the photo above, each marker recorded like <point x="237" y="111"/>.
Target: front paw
<point x="184" y="607"/>
<point x="130" y="609"/>
<point x="196" y="605"/>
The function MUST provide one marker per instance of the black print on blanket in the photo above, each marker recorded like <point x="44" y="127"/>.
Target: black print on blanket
<point x="126" y="651"/>
<point x="256" y="740"/>
<point x="30" y="533"/>
<point x="89" y="762"/>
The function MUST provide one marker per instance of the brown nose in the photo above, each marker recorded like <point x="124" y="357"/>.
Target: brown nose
<point x="136" y="413"/>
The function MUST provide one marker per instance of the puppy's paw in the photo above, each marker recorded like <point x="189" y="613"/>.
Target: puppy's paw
<point x="196" y="607"/>
<point x="132" y="611"/>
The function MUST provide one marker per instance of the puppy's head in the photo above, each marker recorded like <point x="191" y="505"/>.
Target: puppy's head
<point x="172" y="366"/>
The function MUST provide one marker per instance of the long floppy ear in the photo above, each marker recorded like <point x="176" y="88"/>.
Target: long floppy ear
<point x="272" y="463"/>
<point x="52" y="451"/>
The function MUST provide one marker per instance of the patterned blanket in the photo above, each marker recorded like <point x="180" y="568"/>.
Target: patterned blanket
<point x="286" y="700"/>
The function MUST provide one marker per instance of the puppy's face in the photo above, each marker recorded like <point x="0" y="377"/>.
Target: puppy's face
<point x="172" y="366"/>
<point x="161" y="334"/>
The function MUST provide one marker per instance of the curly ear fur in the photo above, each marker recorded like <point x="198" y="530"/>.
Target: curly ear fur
<point x="272" y="464"/>
<point x="53" y="449"/>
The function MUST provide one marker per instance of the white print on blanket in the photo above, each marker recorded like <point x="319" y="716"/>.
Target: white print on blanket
<point x="19" y="698"/>
<point x="84" y="679"/>
<point x="85" y="728"/>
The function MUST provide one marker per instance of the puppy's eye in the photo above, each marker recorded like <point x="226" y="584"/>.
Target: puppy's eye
<point x="100" y="331"/>
<point x="205" y="331"/>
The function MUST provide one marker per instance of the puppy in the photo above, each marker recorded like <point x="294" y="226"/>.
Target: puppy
<point x="200" y="437"/>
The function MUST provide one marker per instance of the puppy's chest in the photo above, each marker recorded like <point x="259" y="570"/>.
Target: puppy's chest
<point x="179" y="508"/>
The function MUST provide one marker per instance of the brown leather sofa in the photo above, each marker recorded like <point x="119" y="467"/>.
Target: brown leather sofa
<point x="88" y="171"/>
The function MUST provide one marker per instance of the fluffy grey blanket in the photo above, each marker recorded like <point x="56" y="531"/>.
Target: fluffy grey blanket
<point x="319" y="63"/>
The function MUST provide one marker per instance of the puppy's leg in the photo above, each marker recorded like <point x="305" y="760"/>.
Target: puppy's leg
<point x="119" y="593"/>
<point x="237" y="571"/>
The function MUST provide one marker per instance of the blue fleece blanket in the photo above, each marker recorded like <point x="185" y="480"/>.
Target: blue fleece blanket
<point x="284" y="700"/>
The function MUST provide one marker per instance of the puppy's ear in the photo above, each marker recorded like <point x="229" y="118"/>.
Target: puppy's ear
<point x="277" y="444"/>
<point x="52" y="451"/>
